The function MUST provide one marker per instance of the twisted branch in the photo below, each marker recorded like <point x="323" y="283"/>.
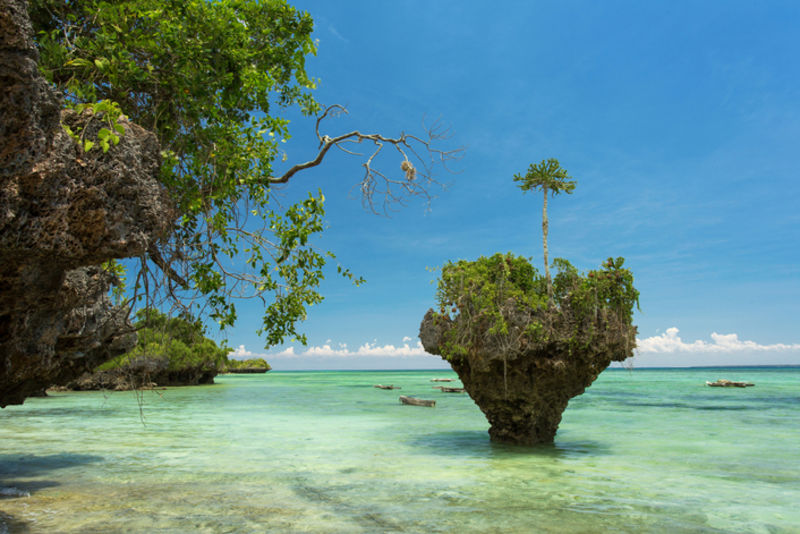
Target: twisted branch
<point x="415" y="178"/>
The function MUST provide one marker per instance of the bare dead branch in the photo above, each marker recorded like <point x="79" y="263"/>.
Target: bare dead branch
<point x="419" y="156"/>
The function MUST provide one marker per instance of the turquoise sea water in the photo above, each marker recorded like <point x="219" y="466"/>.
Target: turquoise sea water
<point x="640" y="451"/>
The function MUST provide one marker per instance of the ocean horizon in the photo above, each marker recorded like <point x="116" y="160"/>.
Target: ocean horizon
<point x="611" y="368"/>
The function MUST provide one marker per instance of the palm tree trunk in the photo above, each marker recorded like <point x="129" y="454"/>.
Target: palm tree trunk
<point x="545" y="227"/>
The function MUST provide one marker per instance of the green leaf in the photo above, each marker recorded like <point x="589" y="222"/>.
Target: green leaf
<point x="78" y="62"/>
<point x="101" y="63"/>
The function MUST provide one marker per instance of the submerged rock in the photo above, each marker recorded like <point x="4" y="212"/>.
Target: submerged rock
<point x="520" y="358"/>
<point x="63" y="212"/>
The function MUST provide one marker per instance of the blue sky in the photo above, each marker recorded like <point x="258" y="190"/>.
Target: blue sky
<point x="679" y="120"/>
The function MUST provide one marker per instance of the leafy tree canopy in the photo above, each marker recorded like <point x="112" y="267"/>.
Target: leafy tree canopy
<point x="211" y="80"/>
<point x="547" y="176"/>
<point x="179" y="341"/>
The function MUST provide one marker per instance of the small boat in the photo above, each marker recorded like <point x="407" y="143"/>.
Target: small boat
<point x="450" y="390"/>
<point x="390" y="386"/>
<point x="413" y="401"/>
<point x="441" y="379"/>
<point x="723" y="383"/>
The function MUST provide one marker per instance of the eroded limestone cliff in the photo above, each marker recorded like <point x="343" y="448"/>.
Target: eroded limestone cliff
<point x="63" y="212"/>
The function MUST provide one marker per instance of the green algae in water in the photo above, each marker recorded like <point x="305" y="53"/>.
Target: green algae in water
<point x="640" y="451"/>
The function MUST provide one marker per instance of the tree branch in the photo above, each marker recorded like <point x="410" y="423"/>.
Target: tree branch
<point x="419" y="155"/>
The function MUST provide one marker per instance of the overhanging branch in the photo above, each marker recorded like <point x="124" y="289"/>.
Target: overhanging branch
<point x="419" y="156"/>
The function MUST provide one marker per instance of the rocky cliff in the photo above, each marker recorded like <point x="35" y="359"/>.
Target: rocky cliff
<point x="63" y="212"/>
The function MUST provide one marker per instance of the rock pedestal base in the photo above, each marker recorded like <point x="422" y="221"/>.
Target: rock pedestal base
<point x="522" y="394"/>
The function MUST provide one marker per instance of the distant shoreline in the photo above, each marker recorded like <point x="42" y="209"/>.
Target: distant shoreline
<point x="635" y="368"/>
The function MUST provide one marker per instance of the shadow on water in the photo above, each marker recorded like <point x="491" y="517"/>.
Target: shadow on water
<point x="60" y="411"/>
<point x="16" y="468"/>
<point x="12" y="524"/>
<point x="477" y="444"/>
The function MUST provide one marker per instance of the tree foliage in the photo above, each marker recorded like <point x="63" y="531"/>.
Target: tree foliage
<point x="258" y="363"/>
<point x="213" y="81"/>
<point x="502" y="302"/>
<point x="549" y="177"/>
<point x="175" y="343"/>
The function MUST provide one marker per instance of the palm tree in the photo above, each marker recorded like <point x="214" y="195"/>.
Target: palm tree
<point x="549" y="177"/>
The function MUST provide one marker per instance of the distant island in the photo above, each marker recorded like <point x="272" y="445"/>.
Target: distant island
<point x="170" y="351"/>
<point x="253" y="365"/>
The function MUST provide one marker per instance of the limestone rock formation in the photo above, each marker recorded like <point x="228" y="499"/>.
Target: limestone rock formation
<point x="63" y="212"/>
<point x="523" y="374"/>
<point x="523" y="393"/>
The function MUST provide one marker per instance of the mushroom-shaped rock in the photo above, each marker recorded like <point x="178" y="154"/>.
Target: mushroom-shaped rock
<point x="521" y="355"/>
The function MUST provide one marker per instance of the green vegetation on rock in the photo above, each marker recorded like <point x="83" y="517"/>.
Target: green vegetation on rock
<point x="521" y="353"/>
<point x="524" y="344"/>
<point x="179" y="341"/>
<point x="252" y="363"/>
<point x="169" y="351"/>
<point x="491" y="298"/>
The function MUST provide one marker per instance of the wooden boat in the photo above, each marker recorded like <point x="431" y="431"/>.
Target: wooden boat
<point x="413" y="401"/>
<point x="441" y="379"/>
<point x="723" y="383"/>
<point x="390" y="386"/>
<point x="445" y="389"/>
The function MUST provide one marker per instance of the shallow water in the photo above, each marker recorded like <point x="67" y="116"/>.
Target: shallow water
<point x="640" y="451"/>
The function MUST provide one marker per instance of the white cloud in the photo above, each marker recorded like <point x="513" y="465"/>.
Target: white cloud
<point x="670" y="342"/>
<point x="286" y="353"/>
<point x="367" y="349"/>
<point x="242" y="353"/>
<point x="406" y="339"/>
